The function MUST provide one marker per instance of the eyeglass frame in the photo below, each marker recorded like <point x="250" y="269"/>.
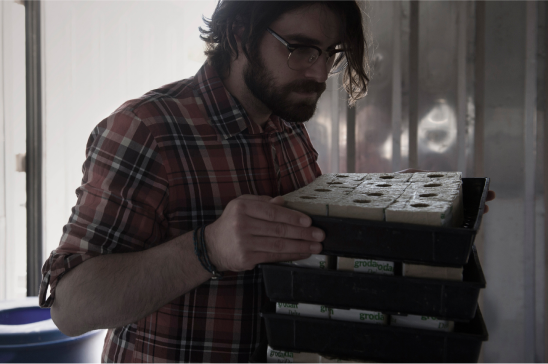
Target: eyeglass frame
<point x="292" y="47"/>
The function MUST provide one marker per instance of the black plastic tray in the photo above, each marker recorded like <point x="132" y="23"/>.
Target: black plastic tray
<point x="372" y="342"/>
<point x="444" y="246"/>
<point x="455" y="300"/>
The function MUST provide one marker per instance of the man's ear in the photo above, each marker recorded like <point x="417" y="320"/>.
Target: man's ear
<point x="238" y="30"/>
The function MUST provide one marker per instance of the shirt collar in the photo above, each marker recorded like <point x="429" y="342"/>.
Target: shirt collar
<point x="225" y="112"/>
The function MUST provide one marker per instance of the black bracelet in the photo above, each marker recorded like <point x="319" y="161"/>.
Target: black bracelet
<point x="197" y="249"/>
<point x="203" y="247"/>
<point x="200" y="249"/>
<point x="212" y="269"/>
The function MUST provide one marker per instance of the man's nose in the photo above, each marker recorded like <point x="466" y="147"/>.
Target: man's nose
<point x="318" y="71"/>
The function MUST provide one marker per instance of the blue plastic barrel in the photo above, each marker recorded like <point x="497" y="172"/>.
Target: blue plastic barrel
<point x="28" y="335"/>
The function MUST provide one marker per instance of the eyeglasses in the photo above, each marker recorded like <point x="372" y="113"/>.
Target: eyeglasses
<point x="303" y="56"/>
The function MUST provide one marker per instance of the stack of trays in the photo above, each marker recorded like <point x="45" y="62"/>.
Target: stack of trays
<point x="392" y="315"/>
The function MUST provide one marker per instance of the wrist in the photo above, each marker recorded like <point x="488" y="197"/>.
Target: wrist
<point x="201" y="252"/>
<point x="211" y="246"/>
<point x="185" y="252"/>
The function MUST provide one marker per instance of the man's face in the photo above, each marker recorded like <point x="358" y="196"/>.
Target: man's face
<point x="290" y="94"/>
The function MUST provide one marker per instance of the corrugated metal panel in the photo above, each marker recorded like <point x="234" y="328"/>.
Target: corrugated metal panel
<point x="530" y="146"/>
<point x="396" y="86"/>
<point x="468" y="86"/>
<point x="374" y="113"/>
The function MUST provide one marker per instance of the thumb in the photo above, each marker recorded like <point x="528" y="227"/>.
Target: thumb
<point x="278" y="200"/>
<point x="255" y="197"/>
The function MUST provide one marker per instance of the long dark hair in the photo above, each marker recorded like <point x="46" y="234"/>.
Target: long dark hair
<point x="253" y="17"/>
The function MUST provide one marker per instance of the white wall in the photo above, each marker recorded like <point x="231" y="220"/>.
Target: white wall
<point x="97" y="55"/>
<point x="13" y="247"/>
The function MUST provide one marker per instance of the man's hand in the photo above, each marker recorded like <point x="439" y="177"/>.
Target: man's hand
<point x="490" y="197"/>
<point x="258" y="229"/>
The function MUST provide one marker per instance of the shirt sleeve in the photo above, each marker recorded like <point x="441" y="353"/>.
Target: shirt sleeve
<point x="120" y="204"/>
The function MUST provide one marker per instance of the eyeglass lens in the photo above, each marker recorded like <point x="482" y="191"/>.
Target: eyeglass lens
<point x="304" y="57"/>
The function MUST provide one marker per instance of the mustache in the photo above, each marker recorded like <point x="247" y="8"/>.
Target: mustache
<point x="307" y="86"/>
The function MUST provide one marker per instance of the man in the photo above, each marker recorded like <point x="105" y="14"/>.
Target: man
<point x="178" y="188"/>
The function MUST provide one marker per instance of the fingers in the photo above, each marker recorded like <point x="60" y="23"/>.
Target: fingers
<point x="280" y="230"/>
<point x="305" y="220"/>
<point x="490" y="197"/>
<point x="278" y="200"/>
<point x="285" y="246"/>
<point x="263" y="198"/>
<point x="257" y="209"/>
<point x="280" y="213"/>
<point x="278" y="257"/>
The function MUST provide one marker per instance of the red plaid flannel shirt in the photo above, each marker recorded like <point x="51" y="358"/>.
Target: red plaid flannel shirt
<point x="158" y="167"/>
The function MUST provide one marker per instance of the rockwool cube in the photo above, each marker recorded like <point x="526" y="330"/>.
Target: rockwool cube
<point x="365" y="266"/>
<point x="358" y="206"/>
<point x="384" y="186"/>
<point x="344" y="176"/>
<point x="338" y="183"/>
<point x="452" y="196"/>
<point x="302" y="309"/>
<point x="279" y="356"/>
<point x="449" y="185"/>
<point x="337" y="180"/>
<point x="422" y="322"/>
<point x="435" y="176"/>
<point x="325" y="190"/>
<point x="389" y="177"/>
<point x="341" y="186"/>
<point x="310" y="202"/>
<point x="432" y="272"/>
<point x="434" y="194"/>
<point x="370" y="317"/>
<point x="324" y="178"/>
<point x="377" y="193"/>
<point x="434" y="213"/>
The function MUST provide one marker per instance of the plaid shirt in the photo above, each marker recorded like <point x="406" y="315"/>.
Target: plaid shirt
<point x="158" y="167"/>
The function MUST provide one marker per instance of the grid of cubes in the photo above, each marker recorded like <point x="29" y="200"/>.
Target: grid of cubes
<point x="420" y="198"/>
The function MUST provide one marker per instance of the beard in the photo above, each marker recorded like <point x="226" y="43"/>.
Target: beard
<point x="261" y="84"/>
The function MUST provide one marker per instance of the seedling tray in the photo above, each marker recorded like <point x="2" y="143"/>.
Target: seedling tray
<point x="455" y="300"/>
<point x="443" y="246"/>
<point x="363" y="341"/>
